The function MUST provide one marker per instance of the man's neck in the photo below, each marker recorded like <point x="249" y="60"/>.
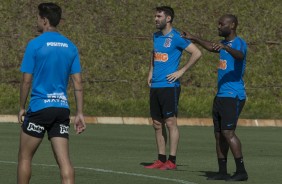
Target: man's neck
<point x="167" y="29"/>
<point x="50" y="29"/>
<point x="231" y="37"/>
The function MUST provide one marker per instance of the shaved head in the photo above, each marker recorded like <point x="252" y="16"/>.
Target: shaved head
<point x="232" y="18"/>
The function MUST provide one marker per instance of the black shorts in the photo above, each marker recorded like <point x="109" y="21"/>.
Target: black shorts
<point x="53" y="120"/>
<point x="226" y="112"/>
<point x="164" y="102"/>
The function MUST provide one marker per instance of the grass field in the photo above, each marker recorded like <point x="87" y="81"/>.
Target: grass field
<point x="108" y="154"/>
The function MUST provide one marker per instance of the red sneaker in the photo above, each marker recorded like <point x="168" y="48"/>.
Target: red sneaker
<point x="156" y="165"/>
<point x="168" y="165"/>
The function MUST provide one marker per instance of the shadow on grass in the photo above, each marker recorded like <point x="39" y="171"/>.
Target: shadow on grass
<point x="208" y="174"/>
<point x="178" y="165"/>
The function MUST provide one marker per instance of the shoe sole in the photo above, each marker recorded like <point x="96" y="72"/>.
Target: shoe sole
<point x="164" y="169"/>
<point x="237" y="180"/>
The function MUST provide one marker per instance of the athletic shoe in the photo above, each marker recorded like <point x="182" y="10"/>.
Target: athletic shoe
<point x="156" y="165"/>
<point x="219" y="176"/>
<point x="168" y="165"/>
<point x="239" y="176"/>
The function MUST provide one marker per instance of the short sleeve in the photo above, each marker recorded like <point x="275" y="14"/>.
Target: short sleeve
<point x="76" y="68"/>
<point x="182" y="43"/>
<point x="240" y="45"/>
<point x="28" y="61"/>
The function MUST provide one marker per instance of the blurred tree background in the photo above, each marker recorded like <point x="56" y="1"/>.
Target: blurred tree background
<point x="114" y="40"/>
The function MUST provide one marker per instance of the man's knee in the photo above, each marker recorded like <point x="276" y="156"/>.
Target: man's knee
<point x="228" y="134"/>
<point x="171" y="122"/>
<point x="157" y="125"/>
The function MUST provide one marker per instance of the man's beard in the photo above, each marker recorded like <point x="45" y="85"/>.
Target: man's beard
<point x="224" y="33"/>
<point x="161" y="25"/>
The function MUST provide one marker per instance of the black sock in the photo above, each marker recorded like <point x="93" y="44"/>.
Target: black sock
<point x="162" y="158"/>
<point x="222" y="164"/>
<point x="240" y="165"/>
<point x="172" y="158"/>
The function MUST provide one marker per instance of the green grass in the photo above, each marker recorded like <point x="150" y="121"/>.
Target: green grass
<point x="109" y="154"/>
<point x="114" y="41"/>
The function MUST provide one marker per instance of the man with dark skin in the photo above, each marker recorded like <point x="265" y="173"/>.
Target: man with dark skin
<point x="231" y="95"/>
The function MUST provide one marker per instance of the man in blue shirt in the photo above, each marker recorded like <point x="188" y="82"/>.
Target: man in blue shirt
<point x="163" y="80"/>
<point x="231" y="95"/>
<point x="48" y="62"/>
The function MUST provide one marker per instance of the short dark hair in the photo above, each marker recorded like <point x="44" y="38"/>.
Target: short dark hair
<point x="233" y="19"/>
<point x="51" y="11"/>
<point x="168" y="11"/>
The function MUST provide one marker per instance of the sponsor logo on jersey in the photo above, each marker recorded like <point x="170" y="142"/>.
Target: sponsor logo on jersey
<point x="56" y="97"/>
<point x="35" y="128"/>
<point x="222" y="64"/>
<point x="167" y="42"/>
<point x="158" y="56"/>
<point x="57" y="44"/>
<point x="64" y="129"/>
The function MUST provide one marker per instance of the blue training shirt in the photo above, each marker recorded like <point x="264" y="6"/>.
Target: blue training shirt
<point x="50" y="58"/>
<point x="167" y="53"/>
<point x="231" y="71"/>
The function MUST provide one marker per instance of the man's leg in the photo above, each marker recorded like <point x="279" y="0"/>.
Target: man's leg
<point x="161" y="139"/>
<point x="234" y="142"/>
<point x="159" y="128"/>
<point x="28" y="146"/>
<point x="231" y="112"/>
<point x="222" y="146"/>
<point x="171" y="124"/>
<point x="60" y="148"/>
<point x="235" y="146"/>
<point x="170" y="101"/>
<point x="161" y="136"/>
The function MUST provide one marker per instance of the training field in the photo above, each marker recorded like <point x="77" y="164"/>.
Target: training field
<point x="115" y="154"/>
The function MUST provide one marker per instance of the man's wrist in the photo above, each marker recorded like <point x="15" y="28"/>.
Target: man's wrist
<point x="227" y="48"/>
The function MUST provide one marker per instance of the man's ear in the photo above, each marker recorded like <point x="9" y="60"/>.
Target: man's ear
<point x="233" y="26"/>
<point x="168" y="19"/>
<point x="45" y="20"/>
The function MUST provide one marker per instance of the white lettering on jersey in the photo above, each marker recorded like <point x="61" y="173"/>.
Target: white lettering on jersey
<point x="56" y="97"/>
<point x="57" y="44"/>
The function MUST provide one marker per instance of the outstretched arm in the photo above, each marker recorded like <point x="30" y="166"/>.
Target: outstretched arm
<point x="205" y="44"/>
<point x="79" y="123"/>
<point x="214" y="47"/>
